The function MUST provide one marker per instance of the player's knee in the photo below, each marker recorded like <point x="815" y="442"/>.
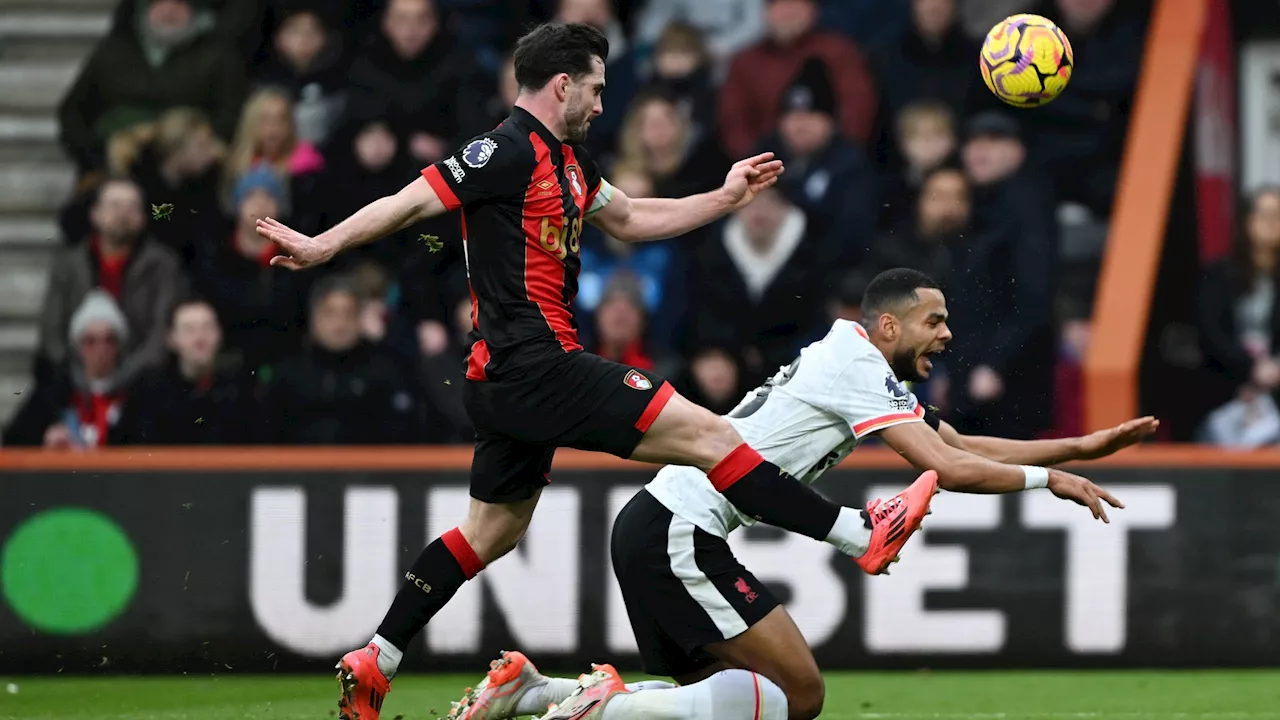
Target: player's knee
<point x="805" y="696"/>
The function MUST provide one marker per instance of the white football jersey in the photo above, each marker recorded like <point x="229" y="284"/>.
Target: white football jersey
<point x="805" y="419"/>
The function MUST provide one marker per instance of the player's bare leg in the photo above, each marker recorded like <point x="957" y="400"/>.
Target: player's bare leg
<point x="685" y="434"/>
<point x="490" y="531"/>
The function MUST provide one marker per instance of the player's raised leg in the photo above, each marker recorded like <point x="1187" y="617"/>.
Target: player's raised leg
<point x="507" y="478"/>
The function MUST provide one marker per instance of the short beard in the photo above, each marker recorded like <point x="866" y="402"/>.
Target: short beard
<point x="575" y="126"/>
<point x="905" y="367"/>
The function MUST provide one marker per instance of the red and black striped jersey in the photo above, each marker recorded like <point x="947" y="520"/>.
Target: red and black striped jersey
<point x="524" y="196"/>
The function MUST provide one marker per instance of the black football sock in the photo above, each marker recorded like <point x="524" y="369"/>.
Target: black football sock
<point x="762" y="490"/>
<point x="435" y="576"/>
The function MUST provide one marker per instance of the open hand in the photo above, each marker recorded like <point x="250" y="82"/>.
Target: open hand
<point x="298" y="251"/>
<point x="1082" y="492"/>
<point x="1106" y="442"/>
<point x="748" y="178"/>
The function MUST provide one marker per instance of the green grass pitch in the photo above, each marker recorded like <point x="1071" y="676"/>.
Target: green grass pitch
<point x="1212" y="695"/>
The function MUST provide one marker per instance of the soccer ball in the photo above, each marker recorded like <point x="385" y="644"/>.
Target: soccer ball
<point x="1026" y="60"/>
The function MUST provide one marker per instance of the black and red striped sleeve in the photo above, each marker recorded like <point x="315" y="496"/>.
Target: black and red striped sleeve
<point x="488" y="166"/>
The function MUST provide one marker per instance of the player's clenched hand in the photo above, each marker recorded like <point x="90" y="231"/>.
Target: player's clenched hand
<point x="1106" y="442"/>
<point x="298" y="251"/>
<point x="1082" y="492"/>
<point x="747" y="178"/>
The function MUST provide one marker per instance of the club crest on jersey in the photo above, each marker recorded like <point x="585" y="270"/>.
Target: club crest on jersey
<point x="572" y="173"/>
<point x="478" y="152"/>
<point x="636" y="381"/>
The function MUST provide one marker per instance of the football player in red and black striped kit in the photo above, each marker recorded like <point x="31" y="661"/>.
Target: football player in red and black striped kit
<point x="524" y="190"/>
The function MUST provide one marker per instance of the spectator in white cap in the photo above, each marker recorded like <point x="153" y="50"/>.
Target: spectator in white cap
<point x="79" y="406"/>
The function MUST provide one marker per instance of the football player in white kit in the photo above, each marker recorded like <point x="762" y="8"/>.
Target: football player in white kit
<point x="702" y="618"/>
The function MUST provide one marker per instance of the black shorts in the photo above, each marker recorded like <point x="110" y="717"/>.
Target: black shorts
<point x="683" y="587"/>
<point x="575" y="400"/>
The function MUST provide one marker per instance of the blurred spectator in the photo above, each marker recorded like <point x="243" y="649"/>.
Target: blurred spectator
<point x="713" y="380"/>
<point x="1239" y="325"/>
<point x="443" y="347"/>
<point x="828" y="177"/>
<point x="653" y="264"/>
<point x="1080" y="135"/>
<point x="681" y="70"/>
<point x="371" y="284"/>
<point x="304" y="60"/>
<point x="931" y="59"/>
<point x="977" y="18"/>
<point x="188" y="402"/>
<point x="929" y="241"/>
<point x="366" y="161"/>
<point x="846" y="302"/>
<point x="728" y="25"/>
<point x="504" y="99"/>
<point x="760" y="285"/>
<point x="261" y="307"/>
<point x="1000" y="289"/>
<point x="759" y="75"/>
<point x="341" y="389"/>
<point x="235" y="23"/>
<point x="619" y="334"/>
<point x="661" y="141"/>
<point x="78" y="406"/>
<point x="868" y="23"/>
<point x="178" y="166"/>
<point x="143" y="276"/>
<point x="925" y="134"/>
<point x="490" y="27"/>
<point x="414" y="75"/>
<point x="622" y="69"/>
<point x="167" y="57"/>
<point x="268" y="136"/>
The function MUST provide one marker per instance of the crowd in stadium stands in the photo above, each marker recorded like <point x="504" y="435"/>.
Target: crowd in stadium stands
<point x="165" y="323"/>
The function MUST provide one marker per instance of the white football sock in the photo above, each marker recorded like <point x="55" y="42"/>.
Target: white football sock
<point x="535" y="700"/>
<point x="389" y="656"/>
<point x="650" y="685"/>
<point x="727" y="695"/>
<point x="850" y="533"/>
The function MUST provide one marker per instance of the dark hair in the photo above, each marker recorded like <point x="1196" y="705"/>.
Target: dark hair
<point x="554" y="48"/>
<point x="186" y="302"/>
<point x="1241" y="261"/>
<point x="892" y="288"/>
<point x="330" y="284"/>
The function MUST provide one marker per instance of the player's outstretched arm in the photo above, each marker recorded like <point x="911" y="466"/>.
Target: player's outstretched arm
<point x="639" y="219"/>
<point x="417" y="201"/>
<point x="962" y="471"/>
<point x="1052" y="452"/>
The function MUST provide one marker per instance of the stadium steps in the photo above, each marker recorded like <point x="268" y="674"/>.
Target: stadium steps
<point x="42" y="45"/>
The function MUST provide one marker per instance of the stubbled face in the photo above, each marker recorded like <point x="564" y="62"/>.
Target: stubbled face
<point x="335" y="322"/>
<point x="582" y="102"/>
<point x="919" y="333"/>
<point x="117" y="215"/>
<point x="944" y="204"/>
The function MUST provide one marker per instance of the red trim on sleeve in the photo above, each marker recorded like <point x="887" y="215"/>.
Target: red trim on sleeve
<point x="874" y="424"/>
<point x="919" y="411"/>
<point x="437" y="182"/>
<point x="655" y="406"/>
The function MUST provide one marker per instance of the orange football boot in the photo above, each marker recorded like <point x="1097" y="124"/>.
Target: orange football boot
<point x="496" y="696"/>
<point x="364" y="687"/>
<point x="587" y="702"/>
<point x="894" y="521"/>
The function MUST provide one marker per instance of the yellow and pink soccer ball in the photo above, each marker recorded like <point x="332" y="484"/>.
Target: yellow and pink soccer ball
<point x="1026" y="60"/>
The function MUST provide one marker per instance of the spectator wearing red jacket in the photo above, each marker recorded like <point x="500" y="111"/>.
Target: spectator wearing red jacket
<point x="758" y="76"/>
